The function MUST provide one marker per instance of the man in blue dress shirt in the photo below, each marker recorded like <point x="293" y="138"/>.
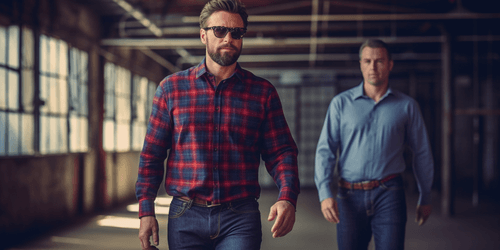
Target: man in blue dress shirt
<point x="371" y="125"/>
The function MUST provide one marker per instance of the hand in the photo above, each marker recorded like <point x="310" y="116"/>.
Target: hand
<point x="423" y="213"/>
<point x="284" y="213"/>
<point x="148" y="227"/>
<point x="330" y="210"/>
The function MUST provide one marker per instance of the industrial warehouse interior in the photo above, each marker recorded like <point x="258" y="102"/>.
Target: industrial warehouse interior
<point x="77" y="80"/>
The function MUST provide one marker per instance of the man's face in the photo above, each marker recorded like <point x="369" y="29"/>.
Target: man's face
<point x="375" y="66"/>
<point x="223" y="51"/>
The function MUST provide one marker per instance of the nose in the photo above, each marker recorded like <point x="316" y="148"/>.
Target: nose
<point x="228" y="37"/>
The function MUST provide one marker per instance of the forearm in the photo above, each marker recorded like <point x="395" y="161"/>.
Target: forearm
<point x="286" y="177"/>
<point x="148" y="182"/>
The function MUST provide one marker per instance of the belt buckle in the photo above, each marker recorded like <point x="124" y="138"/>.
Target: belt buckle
<point x="366" y="185"/>
<point x="210" y="204"/>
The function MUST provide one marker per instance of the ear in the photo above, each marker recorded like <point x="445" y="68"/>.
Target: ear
<point x="203" y="36"/>
<point x="391" y="64"/>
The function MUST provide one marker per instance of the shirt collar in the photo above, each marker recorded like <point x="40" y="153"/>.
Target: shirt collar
<point x="201" y="69"/>
<point x="359" y="91"/>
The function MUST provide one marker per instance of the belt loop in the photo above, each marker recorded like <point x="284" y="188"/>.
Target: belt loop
<point x="189" y="203"/>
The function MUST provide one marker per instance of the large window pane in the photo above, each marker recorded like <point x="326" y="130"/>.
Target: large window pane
<point x="122" y="140"/>
<point x="3" y="133"/>
<point x="27" y="147"/>
<point x="117" y="116"/>
<point x="3" y="44"/>
<point x="28" y="90"/>
<point x="44" y="135"/>
<point x="54" y="92"/>
<point x="109" y="135"/>
<point x="13" y="133"/>
<point x="13" y="90"/>
<point x="3" y="88"/>
<point x="44" y="49"/>
<point x="14" y="46"/>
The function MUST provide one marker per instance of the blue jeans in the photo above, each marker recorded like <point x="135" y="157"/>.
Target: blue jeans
<point x="233" y="225"/>
<point x="380" y="211"/>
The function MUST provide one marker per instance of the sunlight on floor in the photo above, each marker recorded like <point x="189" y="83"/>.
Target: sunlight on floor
<point x="161" y="206"/>
<point x="120" y="222"/>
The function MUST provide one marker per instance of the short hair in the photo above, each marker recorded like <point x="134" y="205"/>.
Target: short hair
<point x="375" y="43"/>
<point x="231" y="6"/>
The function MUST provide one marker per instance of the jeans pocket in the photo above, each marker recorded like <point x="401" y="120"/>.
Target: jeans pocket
<point x="177" y="209"/>
<point x="245" y="207"/>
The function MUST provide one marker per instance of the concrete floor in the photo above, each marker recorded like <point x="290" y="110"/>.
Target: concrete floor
<point x="470" y="228"/>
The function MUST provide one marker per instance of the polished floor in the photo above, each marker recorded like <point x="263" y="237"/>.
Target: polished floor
<point x="470" y="228"/>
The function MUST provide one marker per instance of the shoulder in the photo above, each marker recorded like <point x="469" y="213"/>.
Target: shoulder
<point x="403" y="99"/>
<point x="344" y="97"/>
<point x="251" y="78"/>
<point x="257" y="85"/>
<point x="177" y="78"/>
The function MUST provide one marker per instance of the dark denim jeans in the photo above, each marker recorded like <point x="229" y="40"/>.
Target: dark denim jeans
<point x="234" y="225"/>
<point x="381" y="211"/>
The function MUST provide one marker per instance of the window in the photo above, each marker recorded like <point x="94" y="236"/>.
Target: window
<point x="127" y="102"/>
<point x="64" y="96"/>
<point x="16" y="91"/>
<point x="117" y="115"/>
<point x="78" y="101"/>
<point x="139" y="99"/>
<point x="62" y="123"/>
<point x="54" y="95"/>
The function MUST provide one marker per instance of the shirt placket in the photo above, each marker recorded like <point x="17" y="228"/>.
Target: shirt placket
<point x="372" y="132"/>
<point x="216" y="142"/>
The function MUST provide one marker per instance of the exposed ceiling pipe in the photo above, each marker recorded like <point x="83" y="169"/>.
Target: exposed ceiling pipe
<point x="159" y="59"/>
<point x="319" y="57"/>
<point x="195" y="43"/>
<point x="153" y="28"/>
<point x="313" y="45"/>
<point x="374" y="6"/>
<point x="140" y="17"/>
<point x="362" y="17"/>
<point x="278" y="7"/>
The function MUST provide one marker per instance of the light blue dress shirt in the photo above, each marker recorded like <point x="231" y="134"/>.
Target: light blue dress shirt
<point x="371" y="138"/>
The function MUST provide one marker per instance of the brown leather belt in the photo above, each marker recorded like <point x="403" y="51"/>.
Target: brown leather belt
<point x="365" y="185"/>
<point x="199" y="202"/>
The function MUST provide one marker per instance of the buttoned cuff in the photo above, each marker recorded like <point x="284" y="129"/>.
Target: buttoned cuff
<point x="424" y="199"/>
<point x="324" y="193"/>
<point x="146" y="208"/>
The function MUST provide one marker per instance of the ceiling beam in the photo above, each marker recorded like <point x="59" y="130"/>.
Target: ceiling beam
<point x="319" y="57"/>
<point x="195" y="43"/>
<point x="137" y="14"/>
<point x="362" y="17"/>
<point x="151" y="27"/>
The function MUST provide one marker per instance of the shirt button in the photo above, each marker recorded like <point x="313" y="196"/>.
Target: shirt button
<point x="217" y="109"/>
<point x="216" y="128"/>
<point x="215" y="149"/>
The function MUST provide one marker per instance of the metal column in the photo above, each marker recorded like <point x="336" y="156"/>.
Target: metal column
<point x="447" y="132"/>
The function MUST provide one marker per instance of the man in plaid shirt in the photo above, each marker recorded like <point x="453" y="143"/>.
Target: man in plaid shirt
<point x="217" y="120"/>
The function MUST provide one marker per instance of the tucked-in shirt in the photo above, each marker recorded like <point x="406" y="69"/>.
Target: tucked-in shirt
<point x="371" y="138"/>
<point x="216" y="136"/>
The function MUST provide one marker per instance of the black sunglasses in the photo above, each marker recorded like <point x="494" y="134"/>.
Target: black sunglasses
<point x="221" y="31"/>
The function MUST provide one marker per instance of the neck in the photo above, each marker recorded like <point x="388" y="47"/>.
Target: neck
<point x="375" y="92"/>
<point x="220" y="72"/>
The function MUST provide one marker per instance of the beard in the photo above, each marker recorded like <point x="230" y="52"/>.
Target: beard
<point x="224" y="59"/>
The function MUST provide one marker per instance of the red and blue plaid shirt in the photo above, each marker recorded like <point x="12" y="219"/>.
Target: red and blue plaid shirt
<point x="216" y="136"/>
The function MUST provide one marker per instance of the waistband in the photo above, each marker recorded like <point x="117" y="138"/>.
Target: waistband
<point x="365" y="185"/>
<point x="203" y="203"/>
